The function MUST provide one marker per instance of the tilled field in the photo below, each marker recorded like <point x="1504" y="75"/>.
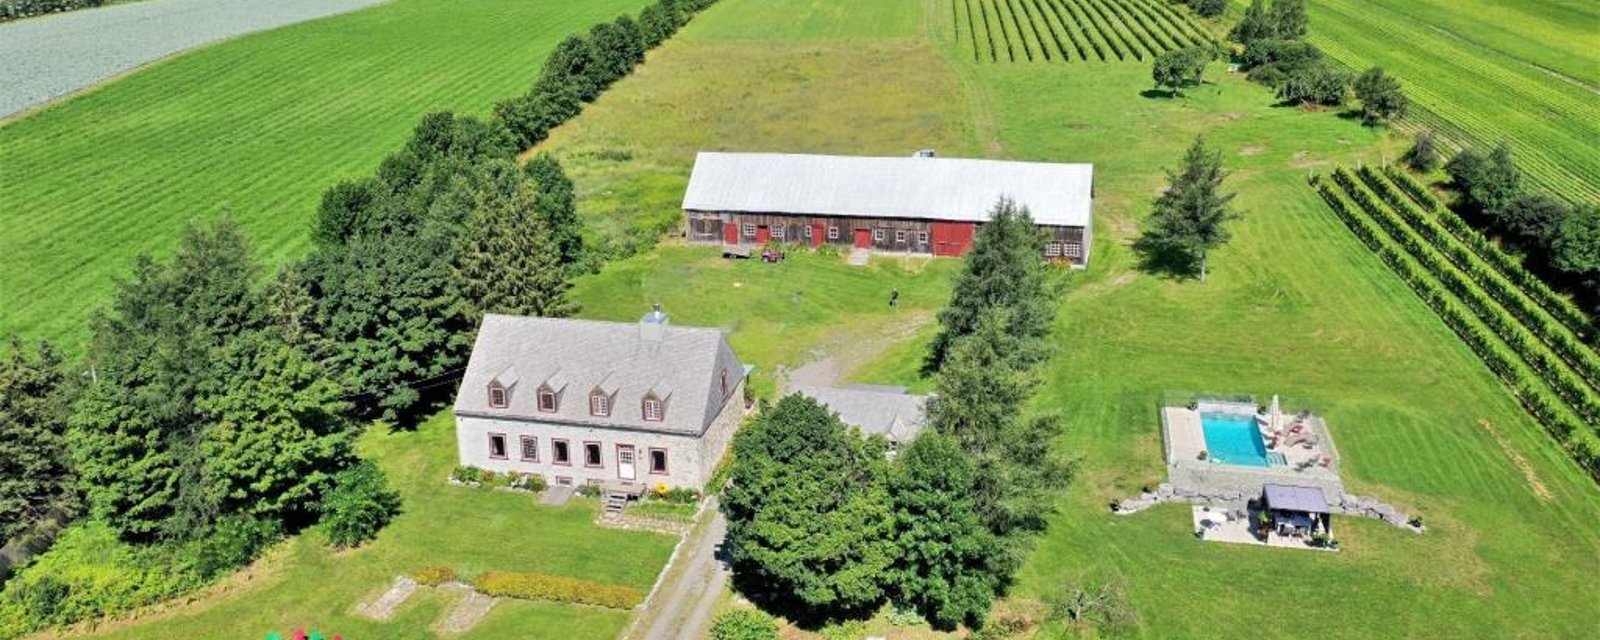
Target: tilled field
<point x="52" y="56"/>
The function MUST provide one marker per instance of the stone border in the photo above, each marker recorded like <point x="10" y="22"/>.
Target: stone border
<point x="1348" y="505"/>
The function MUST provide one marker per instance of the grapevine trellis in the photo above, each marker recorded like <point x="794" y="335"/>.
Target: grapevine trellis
<point x="1073" y="30"/>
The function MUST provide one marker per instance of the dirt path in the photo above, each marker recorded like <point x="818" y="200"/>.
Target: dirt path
<point x="690" y="591"/>
<point x="832" y="363"/>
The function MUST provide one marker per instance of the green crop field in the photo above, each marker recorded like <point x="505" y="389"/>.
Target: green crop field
<point x="1071" y="30"/>
<point x="1485" y="72"/>
<point x="259" y="126"/>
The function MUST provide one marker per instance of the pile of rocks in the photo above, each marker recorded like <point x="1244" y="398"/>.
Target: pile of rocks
<point x="1367" y="507"/>
<point x="1165" y="492"/>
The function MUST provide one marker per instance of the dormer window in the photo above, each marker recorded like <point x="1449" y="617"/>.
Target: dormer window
<point x="497" y="396"/>
<point x="599" y="405"/>
<point x="547" y="401"/>
<point x="653" y="409"/>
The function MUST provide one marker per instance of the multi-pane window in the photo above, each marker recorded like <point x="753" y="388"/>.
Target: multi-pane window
<point x="1073" y="250"/>
<point x="599" y="405"/>
<point x="658" y="461"/>
<point x="591" y="454"/>
<point x="833" y="233"/>
<point x="899" y="236"/>
<point x="777" y="233"/>
<point x="749" y="231"/>
<point x="878" y="235"/>
<point x="497" y="446"/>
<point x="559" y="452"/>
<point x="806" y="231"/>
<point x="530" y="449"/>
<point x="547" y="401"/>
<point x="652" y="409"/>
<point x="497" y="396"/>
<point x="1052" y="250"/>
<point x="922" y="237"/>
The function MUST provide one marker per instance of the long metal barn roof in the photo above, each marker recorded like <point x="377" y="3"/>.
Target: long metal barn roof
<point x="901" y="187"/>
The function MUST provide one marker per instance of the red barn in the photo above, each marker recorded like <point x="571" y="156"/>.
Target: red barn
<point x="917" y="204"/>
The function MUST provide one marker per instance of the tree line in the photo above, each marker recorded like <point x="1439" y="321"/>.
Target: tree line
<point x="218" y="404"/>
<point x="1275" y="53"/>
<point x="823" y="525"/>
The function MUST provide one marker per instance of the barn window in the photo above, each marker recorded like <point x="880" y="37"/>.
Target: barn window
<point x="899" y="236"/>
<point x="807" y="231"/>
<point x="560" y="453"/>
<point x="833" y="233"/>
<point x="530" y="449"/>
<point x="658" y="461"/>
<point x="652" y="410"/>
<point x="497" y="446"/>
<point x="1052" y="249"/>
<point x="547" y="400"/>
<point x="777" y="232"/>
<point x="497" y="396"/>
<point x="599" y="404"/>
<point x="922" y="237"/>
<point x="878" y="235"/>
<point x="749" y="230"/>
<point x="591" y="454"/>
<point x="1072" y="250"/>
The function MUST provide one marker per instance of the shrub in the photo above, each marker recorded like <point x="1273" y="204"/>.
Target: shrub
<point x="589" y="490"/>
<point x="677" y="495"/>
<point x="467" y="475"/>
<point x="434" y="576"/>
<point x="744" y="624"/>
<point x="233" y="542"/>
<point x="359" y="505"/>
<point x="538" y="586"/>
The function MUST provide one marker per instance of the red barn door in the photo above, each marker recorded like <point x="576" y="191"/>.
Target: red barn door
<point x="730" y="233"/>
<point x="952" y="238"/>
<point x="816" y="235"/>
<point x="763" y="234"/>
<point x="863" y="238"/>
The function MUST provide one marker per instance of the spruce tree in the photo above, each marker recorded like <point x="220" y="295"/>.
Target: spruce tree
<point x="34" y="467"/>
<point x="557" y="206"/>
<point x="950" y="566"/>
<point x="1004" y="269"/>
<point x="508" y="263"/>
<point x="1188" y="220"/>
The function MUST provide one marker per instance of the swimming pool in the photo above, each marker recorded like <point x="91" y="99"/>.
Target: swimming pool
<point x="1233" y="439"/>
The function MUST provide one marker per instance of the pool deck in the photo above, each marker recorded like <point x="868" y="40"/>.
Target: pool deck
<point x="1184" y="439"/>
<point x="1236" y="531"/>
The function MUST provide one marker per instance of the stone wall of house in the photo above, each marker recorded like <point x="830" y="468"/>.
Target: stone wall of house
<point x="714" y="444"/>
<point x="685" y="453"/>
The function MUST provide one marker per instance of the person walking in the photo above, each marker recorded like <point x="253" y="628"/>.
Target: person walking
<point x="894" y="297"/>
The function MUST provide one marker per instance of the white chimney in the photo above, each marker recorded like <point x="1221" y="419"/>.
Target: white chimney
<point x="653" y="325"/>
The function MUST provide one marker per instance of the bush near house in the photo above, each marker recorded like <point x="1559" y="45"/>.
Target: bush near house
<point x="538" y="586"/>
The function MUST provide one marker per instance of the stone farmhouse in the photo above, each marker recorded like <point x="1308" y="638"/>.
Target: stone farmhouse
<point x="623" y="405"/>
<point x="918" y="204"/>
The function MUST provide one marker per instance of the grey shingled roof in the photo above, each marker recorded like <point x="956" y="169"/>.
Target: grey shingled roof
<point x="1296" y="498"/>
<point x="905" y="187"/>
<point x="896" y="415"/>
<point x="577" y="356"/>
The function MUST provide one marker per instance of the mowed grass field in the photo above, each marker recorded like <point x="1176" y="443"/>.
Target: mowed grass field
<point x="258" y="127"/>
<point x="302" y="584"/>
<point x="1295" y="306"/>
<point x="1483" y="72"/>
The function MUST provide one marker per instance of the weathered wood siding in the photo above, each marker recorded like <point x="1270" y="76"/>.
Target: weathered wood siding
<point x="1066" y="244"/>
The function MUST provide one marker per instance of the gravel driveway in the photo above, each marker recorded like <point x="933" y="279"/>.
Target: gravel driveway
<point x="44" y="58"/>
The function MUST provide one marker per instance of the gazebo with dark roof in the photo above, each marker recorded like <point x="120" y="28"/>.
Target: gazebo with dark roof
<point x="1296" y="510"/>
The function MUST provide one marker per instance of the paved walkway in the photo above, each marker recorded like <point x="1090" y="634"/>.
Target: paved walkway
<point x="52" y="56"/>
<point x="688" y="595"/>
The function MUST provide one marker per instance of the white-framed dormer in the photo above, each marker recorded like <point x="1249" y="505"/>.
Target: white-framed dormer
<point x="602" y="398"/>
<point x="500" y="388"/>
<point x="653" y="406"/>
<point x="547" y="398"/>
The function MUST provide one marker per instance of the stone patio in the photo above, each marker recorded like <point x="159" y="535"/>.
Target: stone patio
<point x="1237" y="531"/>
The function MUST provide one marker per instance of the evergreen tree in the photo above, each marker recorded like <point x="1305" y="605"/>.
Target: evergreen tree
<point x="275" y="433"/>
<point x="950" y="566"/>
<point x="34" y="472"/>
<point x="508" y="262"/>
<point x="1188" y="220"/>
<point x="1003" y="269"/>
<point x="1257" y="24"/>
<point x="1424" y="153"/>
<point x="557" y="206"/>
<point x="810" y="526"/>
<point x="1380" y="95"/>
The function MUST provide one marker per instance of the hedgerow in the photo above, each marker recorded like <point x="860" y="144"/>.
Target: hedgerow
<point x="1538" y="402"/>
<point x="538" y="586"/>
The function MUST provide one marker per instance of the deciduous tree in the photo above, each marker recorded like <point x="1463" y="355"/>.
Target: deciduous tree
<point x="1484" y="183"/>
<point x="1534" y="219"/>
<point x="1380" y="95"/>
<point x="1180" y="68"/>
<point x="556" y="204"/>
<point x="951" y="567"/>
<point x="1424" y="153"/>
<point x="1576" y="248"/>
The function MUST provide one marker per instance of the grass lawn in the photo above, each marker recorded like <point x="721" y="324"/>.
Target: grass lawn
<point x="303" y="584"/>
<point x="1294" y="306"/>
<point x="258" y="126"/>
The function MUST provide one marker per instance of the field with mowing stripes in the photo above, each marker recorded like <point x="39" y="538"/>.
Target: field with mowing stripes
<point x="259" y="126"/>
<point x="1478" y="83"/>
<point x="1072" y="30"/>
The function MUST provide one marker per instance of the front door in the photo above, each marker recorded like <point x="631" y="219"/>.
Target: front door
<point x="863" y="238"/>
<point x="625" y="469"/>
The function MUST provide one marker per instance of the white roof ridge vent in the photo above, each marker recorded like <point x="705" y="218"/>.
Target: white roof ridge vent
<point x="923" y="153"/>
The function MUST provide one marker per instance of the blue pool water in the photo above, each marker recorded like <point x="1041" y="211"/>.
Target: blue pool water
<point x="1233" y="439"/>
